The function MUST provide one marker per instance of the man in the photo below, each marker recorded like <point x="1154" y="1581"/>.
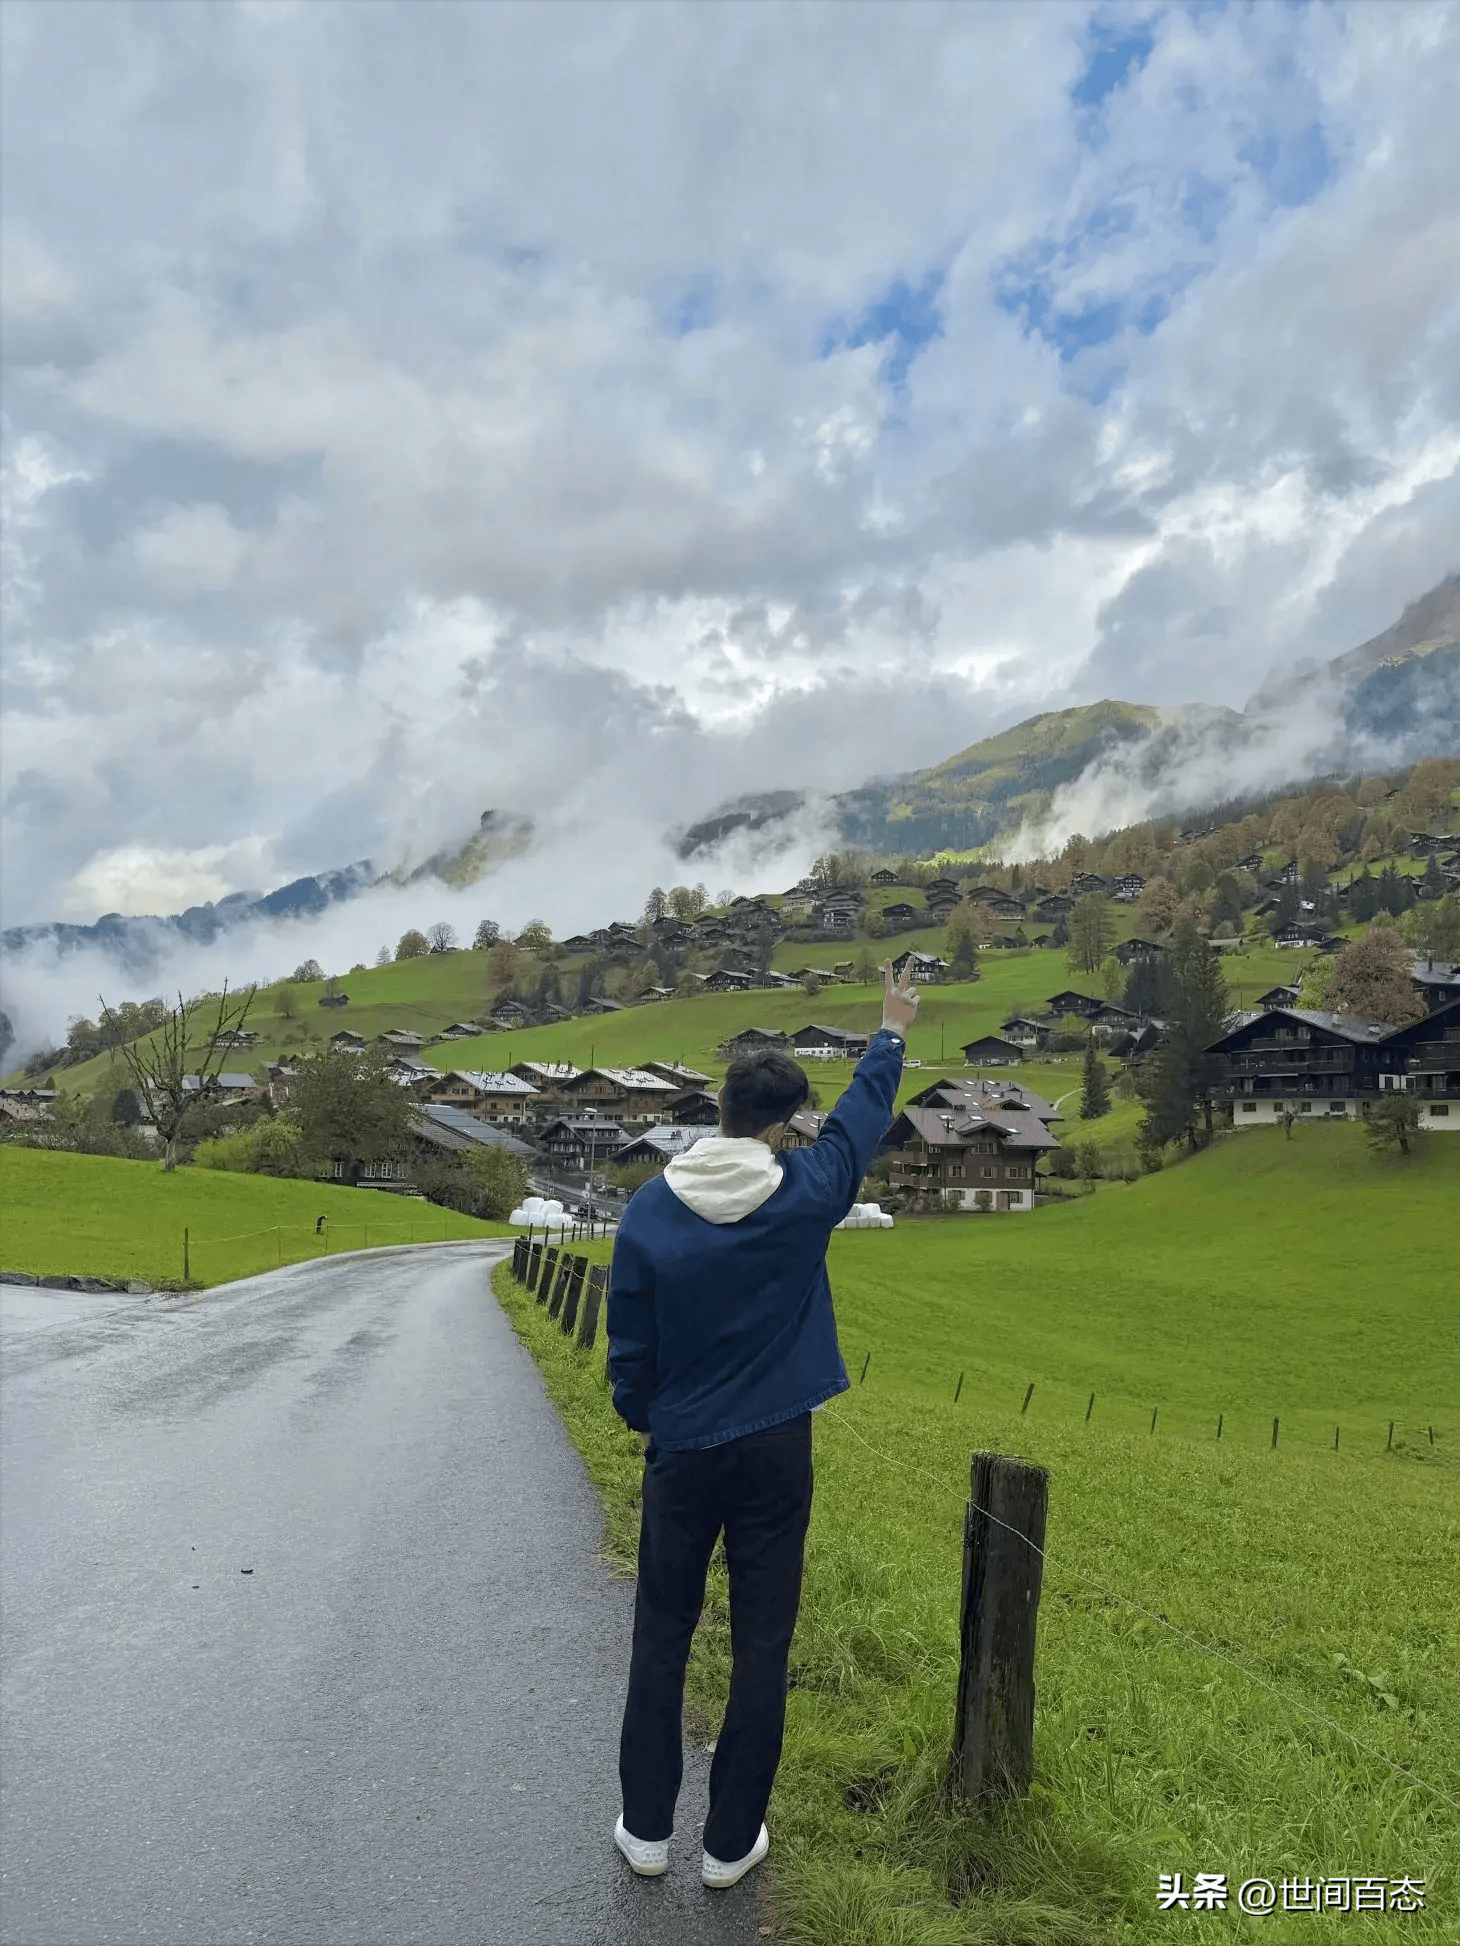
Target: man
<point x="723" y="1342"/>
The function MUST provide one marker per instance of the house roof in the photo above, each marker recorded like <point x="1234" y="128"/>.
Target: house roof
<point x="676" y="1071"/>
<point x="970" y="1091"/>
<point x="191" y="1082"/>
<point x="1442" y="973"/>
<point x="491" y="1081"/>
<point x="582" y="1124"/>
<point x="456" y="1130"/>
<point x="992" y="1040"/>
<point x="549" y="1070"/>
<point x="636" y="1078"/>
<point x="1346" y="1027"/>
<point x="667" y="1139"/>
<point x="949" y="1129"/>
<point x="832" y="1033"/>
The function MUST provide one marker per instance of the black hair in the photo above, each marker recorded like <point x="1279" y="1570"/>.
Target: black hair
<point x="761" y="1088"/>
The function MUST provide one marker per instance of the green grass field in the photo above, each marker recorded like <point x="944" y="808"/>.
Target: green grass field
<point x="97" y="1216"/>
<point x="1314" y="1590"/>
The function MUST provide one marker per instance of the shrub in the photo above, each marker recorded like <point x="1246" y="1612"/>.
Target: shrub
<point x="273" y="1147"/>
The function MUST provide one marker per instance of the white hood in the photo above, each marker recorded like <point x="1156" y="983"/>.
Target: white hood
<point x="725" y="1177"/>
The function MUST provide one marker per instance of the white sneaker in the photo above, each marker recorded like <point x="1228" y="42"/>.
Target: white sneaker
<point x="648" y="1860"/>
<point x="718" y="1874"/>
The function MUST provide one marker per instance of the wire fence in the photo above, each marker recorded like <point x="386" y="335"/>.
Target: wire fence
<point x="1207" y="1649"/>
<point x="1363" y="1434"/>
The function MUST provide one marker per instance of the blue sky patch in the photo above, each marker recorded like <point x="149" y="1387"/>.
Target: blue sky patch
<point x="903" y="318"/>
<point x="1113" y="54"/>
<point x="694" y="306"/>
<point x="1292" y="165"/>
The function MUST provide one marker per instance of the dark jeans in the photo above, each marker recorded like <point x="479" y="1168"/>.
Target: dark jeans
<point x="758" y="1489"/>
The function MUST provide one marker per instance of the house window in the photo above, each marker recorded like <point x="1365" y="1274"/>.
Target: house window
<point x="988" y="1169"/>
<point x="1336" y="1107"/>
<point x="1249" y="1108"/>
<point x="1439" y="1108"/>
<point x="1305" y="1107"/>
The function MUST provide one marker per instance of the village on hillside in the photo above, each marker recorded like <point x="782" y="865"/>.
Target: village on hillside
<point x="1308" y="877"/>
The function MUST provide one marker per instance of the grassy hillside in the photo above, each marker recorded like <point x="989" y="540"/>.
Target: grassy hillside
<point x="1216" y="1286"/>
<point x="96" y="1216"/>
<point x="1301" y="1279"/>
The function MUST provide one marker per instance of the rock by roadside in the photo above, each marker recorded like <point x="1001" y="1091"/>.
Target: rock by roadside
<point x="132" y="1289"/>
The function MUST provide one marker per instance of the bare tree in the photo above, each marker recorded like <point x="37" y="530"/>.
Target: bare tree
<point x="441" y="938"/>
<point x="164" y="1076"/>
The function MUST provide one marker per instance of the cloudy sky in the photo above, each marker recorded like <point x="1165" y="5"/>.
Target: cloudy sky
<point x="600" y="410"/>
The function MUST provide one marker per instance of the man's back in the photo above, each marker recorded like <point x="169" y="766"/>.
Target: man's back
<point x="719" y="1312"/>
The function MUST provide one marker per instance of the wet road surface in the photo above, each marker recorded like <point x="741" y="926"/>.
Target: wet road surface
<point x="401" y="1723"/>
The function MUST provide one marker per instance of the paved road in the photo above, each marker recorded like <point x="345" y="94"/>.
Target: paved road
<point x="401" y="1724"/>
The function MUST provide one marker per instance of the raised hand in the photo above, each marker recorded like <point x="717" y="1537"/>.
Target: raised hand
<point x="899" y="998"/>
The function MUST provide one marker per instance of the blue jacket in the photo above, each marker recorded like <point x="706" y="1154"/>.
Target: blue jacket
<point x="716" y="1330"/>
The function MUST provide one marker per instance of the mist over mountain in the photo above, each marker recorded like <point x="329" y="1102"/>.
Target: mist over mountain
<point x="1090" y="768"/>
<point x="1096" y="767"/>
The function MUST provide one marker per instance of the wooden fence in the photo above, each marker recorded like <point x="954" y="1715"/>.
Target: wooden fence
<point x="571" y="1289"/>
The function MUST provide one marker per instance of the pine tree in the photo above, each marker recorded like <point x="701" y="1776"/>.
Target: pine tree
<point x="1095" y="1093"/>
<point x="1175" y="1082"/>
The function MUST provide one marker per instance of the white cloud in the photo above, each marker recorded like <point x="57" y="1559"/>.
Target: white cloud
<point x="497" y="406"/>
<point x="31" y="281"/>
<point x="142" y="878"/>
<point x="191" y="550"/>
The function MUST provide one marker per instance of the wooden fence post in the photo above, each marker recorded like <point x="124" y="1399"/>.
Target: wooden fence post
<point x="993" y="1732"/>
<point x="592" y="1298"/>
<point x="560" y="1285"/>
<point x="574" y="1292"/>
<point x="534" y="1264"/>
<point x="549" y="1265"/>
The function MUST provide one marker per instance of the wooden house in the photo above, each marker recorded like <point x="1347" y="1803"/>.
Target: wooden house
<point x="547" y="1080"/>
<point x="347" y="1043"/>
<point x="991" y="1051"/>
<point x="578" y="1143"/>
<point x="661" y="1143"/>
<point x="1290" y="1060"/>
<point x="490" y="1095"/>
<point x="751" y="1039"/>
<point x="1026" y="1033"/>
<point x="401" y="1040"/>
<point x="1430" y="1050"/>
<point x="1437" y="981"/>
<point x="628" y="1094"/>
<point x="813" y="1043"/>
<point x="927" y="968"/>
<point x="983" y="1159"/>
<point x="1131" y="950"/>
<point x="695" y="1108"/>
<point x="1070" y="1002"/>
